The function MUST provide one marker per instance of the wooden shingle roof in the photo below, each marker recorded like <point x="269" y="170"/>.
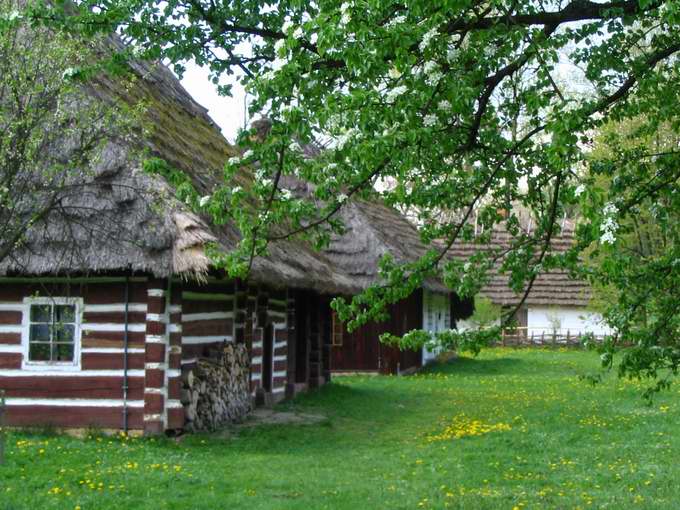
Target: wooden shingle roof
<point x="552" y="288"/>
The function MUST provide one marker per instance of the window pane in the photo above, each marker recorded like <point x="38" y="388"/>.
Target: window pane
<point x="39" y="333"/>
<point x="64" y="332"/>
<point x="63" y="352"/>
<point x="65" y="313"/>
<point x="39" y="352"/>
<point x="40" y="313"/>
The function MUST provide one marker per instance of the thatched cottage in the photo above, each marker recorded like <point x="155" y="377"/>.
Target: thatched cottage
<point x="115" y="319"/>
<point x="372" y="229"/>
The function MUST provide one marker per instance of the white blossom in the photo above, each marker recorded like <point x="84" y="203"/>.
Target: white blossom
<point x="430" y="120"/>
<point x="342" y="197"/>
<point x="394" y="93"/>
<point x="610" y="209"/>
<point x="313" y="38"/>
<point x="286" y="109"/>
<point x="427" y="38"/>
<point x="430" y="67"/>
<point x="396" y="21"/>
<point x="269" y="75"/>
<point x="280" y="47"/>
<point x="609" y="226"/>
<point x="298" y="33"/>
<point x="444" y="105"/>
<point x="287" y="25"/>
<point x="12" y="16"/>
<point x="452" y="54"/>
<point x="69" y="73"/>
<point x="346" y="16"/>
<point x="607" y="238"/>
<point x="294" y="147"/>
<point x="236" y="189"/>
<point x="234" y="161"/>
<point x="204" y="201"/>
<point x="286" y="194"/>
<point x="579" y="190"/>
<point x="334" y="121"/>
<point x="394" y="73"/>
<point x="433" y="78"/>
<point x="345" y="138"/>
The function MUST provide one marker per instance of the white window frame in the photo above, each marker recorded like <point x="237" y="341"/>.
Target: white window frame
<point x="73" y="366"/>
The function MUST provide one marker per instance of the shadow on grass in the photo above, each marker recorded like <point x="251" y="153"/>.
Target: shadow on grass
<point x="371" y="401"/>
<point x="477" y="366"/>
<point x="356" y="413"/>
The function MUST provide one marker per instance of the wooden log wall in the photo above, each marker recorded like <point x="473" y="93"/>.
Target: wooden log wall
<point x="90" y="393"/>
<point x="265" y="308"/>
<point x="361" y="350"/>
<point x="162" y="407"/>
<point x="277" y="315"/>
<point x="171" y="327"/>
<point x="175" y="409"/>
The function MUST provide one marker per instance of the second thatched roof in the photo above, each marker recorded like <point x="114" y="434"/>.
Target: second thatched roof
<point x="372" y="230"/>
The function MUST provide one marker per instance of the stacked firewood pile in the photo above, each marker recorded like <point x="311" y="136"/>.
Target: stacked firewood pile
<point x="216" y="390"/>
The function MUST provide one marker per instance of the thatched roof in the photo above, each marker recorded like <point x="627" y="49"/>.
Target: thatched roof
<point x="372" y="229"/>
<point x="119" y="217"/>
<point x="553" y="288"/>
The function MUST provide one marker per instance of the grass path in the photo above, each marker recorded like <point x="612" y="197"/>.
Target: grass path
<point x="510" y="429"/>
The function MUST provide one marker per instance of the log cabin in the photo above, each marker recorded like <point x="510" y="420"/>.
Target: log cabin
<point x="111" y="314"/>
<point x="372" y="229"/>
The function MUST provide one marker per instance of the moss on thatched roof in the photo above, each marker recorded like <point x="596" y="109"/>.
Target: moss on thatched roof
<point x="372" y="230"/>
<point x="122" y="218"/>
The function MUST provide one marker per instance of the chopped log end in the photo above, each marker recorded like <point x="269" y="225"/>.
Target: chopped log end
<point x="216" y="391"/>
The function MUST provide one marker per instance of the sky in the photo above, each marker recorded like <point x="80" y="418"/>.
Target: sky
<point x="227" y="112"/>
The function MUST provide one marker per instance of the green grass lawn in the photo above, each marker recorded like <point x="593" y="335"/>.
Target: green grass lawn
<point x="512" y="428"/>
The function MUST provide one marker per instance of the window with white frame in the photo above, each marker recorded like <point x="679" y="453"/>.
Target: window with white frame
<point x="52" y="332"/>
